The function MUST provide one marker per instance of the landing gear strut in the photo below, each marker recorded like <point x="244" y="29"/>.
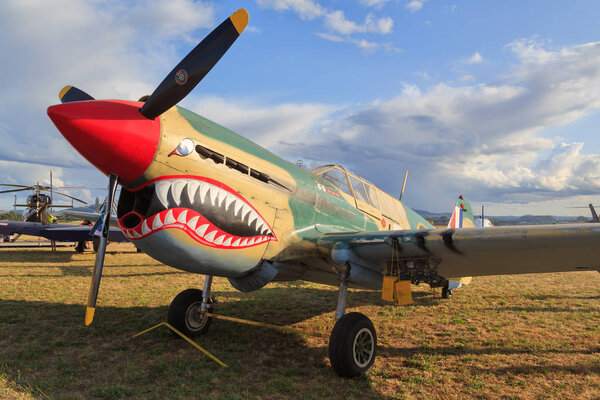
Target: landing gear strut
<point x="353" y="341"/>
<point x="187" y="312"/>
<point x="446" y="292"/>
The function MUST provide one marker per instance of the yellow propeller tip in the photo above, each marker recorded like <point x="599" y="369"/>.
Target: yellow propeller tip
<point x="239" y="20"/>
<point x="64" y="91"/>
<point x="89" y="315"/>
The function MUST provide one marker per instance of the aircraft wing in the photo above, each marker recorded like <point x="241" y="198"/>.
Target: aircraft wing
<point x="473" y="251"/>
<point x="58" y="232"/>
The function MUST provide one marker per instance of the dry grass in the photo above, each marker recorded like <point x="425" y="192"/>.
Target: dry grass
<point x="521" y="337"/>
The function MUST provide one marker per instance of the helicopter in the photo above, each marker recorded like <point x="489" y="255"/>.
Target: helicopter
<point x="39" y="205"/>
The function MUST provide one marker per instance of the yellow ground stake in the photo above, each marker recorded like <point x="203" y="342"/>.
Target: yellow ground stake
<point x="247" y="322"/>
<point x="190" y="341"/>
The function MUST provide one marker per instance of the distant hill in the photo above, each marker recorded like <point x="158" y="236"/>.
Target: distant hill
<point x="441" y="219"/>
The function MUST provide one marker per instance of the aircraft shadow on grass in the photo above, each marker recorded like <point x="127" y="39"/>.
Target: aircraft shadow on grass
<point x="32" y="343"/>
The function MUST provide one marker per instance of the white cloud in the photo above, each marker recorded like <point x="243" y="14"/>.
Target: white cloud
<point x="422" y="74"/>
<point x="252" y="29"/>
<point x="267" y="125"/>
<point x="306" y="9"/>
<point x="362" y="44"/>
<point x="474" y="59"/>
<point x="415" y="5"/>
<point x="482" y="139"/>
<point x="373" y="3"/>
<point x="105" y="51"/>
<point x="337" y="23"/>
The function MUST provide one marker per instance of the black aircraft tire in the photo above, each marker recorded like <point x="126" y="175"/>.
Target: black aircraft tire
<point x="184" y="313"/>
<point x="352" y="345"/>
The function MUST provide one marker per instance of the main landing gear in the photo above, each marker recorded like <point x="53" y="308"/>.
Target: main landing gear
<point x="187" y="312"/>
<point x="353" y="341"/>
<point x="352" y="344"/>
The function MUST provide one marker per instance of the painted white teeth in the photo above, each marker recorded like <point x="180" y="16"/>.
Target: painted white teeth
<point x="213" y="196"/>
<point x="182" y="217"/>
<point x="201" y="193"/>
<point x="245" y="211"/>
<point x="134" y="234"/>
<point x="169" y="219"/>
<point x="211" y="236"/>
<point x="176" y="189"/>
<point x="191" y="189"/>
<point x="236" y="207"/>
<point x="220" y="239"/>
<point x="201" y="230"/>
<point x="192" y="222"/>
<point x="145" y="228"/>
<point x="157" y="223"/>
<point x="162" y="191"/>
<point x="169" y="193"/>
<point x="253" y="217"/>
<point x="228" y="200"/>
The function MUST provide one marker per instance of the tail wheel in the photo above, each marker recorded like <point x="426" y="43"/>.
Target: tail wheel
<point x="184" y="313"/>
<point x="352" y="345"/>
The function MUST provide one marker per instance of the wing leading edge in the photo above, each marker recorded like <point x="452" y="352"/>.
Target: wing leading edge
<point x="451" y="253"/>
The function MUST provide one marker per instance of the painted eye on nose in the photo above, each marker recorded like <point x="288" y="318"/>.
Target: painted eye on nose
<point x="185" y="147"/>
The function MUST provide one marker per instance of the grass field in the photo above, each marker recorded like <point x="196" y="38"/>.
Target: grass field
<point x="521" y="337"/>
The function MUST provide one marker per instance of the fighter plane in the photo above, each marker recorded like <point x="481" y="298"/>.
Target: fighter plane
<point x="198" y="197"/>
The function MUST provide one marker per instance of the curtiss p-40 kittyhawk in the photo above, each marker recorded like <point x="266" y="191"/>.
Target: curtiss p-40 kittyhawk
<point x="201" y="198"/>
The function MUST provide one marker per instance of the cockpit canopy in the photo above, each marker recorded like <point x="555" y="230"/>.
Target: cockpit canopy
<point x="368" y="197"/>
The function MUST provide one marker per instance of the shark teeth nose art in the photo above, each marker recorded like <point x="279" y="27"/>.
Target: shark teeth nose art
<point x="208" y="211"/>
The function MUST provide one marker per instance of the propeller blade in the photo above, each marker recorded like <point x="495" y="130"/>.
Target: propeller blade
<point x="190" y="71"/>
<point x="71" y="197"/>
<point x="95" y="286"/>
<point x="15" y="190"/>
<point x="21" y="186"/>
<point x="71" y="93"/>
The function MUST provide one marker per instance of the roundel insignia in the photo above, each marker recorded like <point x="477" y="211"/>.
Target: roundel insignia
<point x="185" y="147"/>
<point x="181" y="77"/>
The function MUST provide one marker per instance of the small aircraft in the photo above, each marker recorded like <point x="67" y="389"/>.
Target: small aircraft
<point x="39" y="204"/>
<point x="201" y="198"/>
<point x="63" y="232"/>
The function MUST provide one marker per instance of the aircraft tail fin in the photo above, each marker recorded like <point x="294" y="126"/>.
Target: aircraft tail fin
<point x="594" y="215"/>
<point x="462" y="215"/>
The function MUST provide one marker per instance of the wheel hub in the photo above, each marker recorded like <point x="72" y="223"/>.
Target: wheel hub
<point x="194" y="319"/>
<point x="364" y="347"/>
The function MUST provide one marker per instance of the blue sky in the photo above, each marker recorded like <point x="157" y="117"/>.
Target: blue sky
<point x="494" y="100"/>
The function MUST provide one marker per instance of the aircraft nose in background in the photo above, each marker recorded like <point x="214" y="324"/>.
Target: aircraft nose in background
<point x="111" y="134"/>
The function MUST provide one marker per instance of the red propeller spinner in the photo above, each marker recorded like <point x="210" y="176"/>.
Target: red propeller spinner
<point x="111" y="134"/>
